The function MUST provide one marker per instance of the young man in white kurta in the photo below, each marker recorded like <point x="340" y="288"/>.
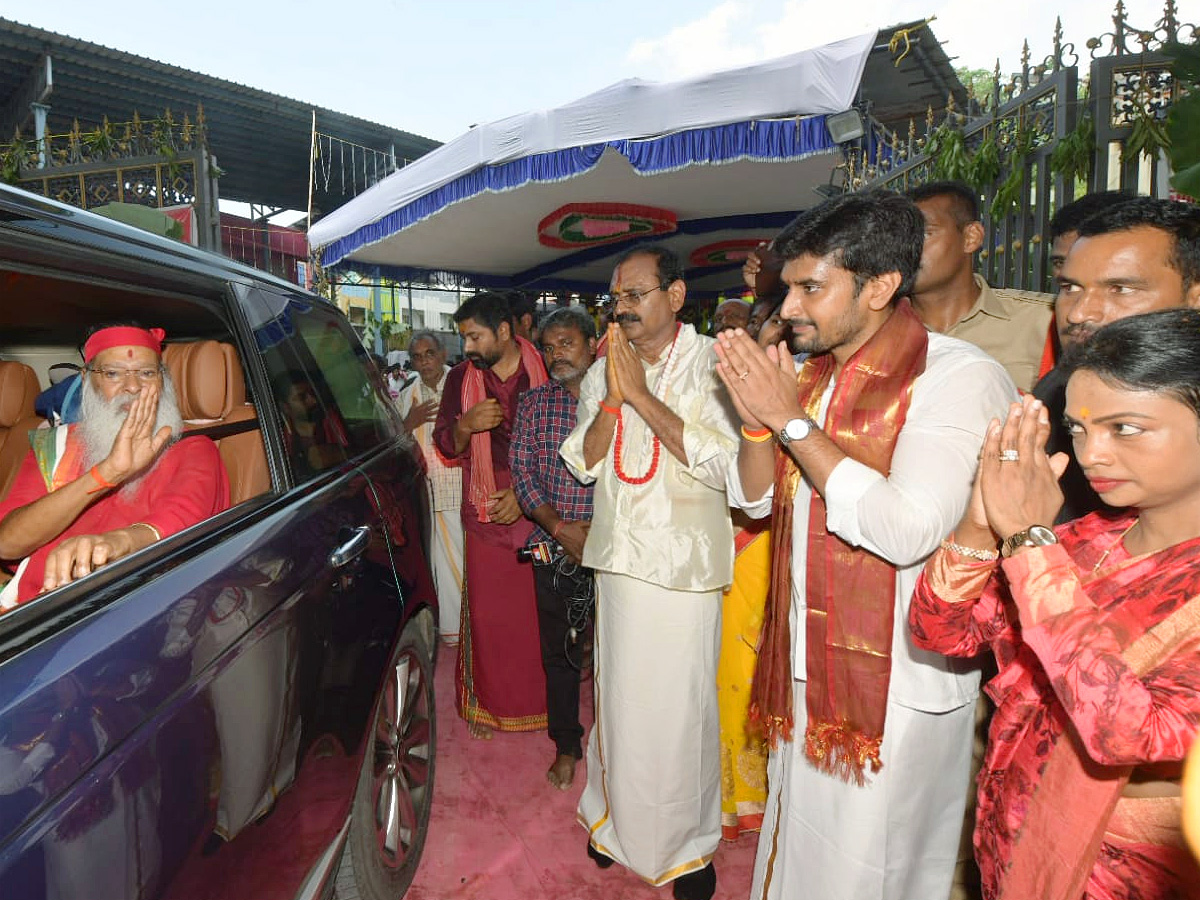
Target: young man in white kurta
<point x="894" y="837"/>
<point x="662" y="552"/>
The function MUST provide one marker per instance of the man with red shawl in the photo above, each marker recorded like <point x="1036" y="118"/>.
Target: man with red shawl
<point x="864" y="459"/>
<point x="500" y="680"/>
<point x="113" y="483"/>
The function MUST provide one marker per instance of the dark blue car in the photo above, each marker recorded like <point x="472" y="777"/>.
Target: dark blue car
<point x="231" y="711"/>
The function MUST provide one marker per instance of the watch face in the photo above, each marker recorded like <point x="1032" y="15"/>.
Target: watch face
<point x="1040" y="536"/>
<point x="795" y="430"/>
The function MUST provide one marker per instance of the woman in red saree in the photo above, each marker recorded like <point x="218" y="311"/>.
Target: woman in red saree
<point x="1095" y="626"/>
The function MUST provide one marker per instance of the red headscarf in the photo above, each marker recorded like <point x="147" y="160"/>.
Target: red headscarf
<point x="123" y="336"/>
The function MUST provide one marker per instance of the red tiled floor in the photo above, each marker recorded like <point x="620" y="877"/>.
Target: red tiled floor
<point x="500" y="832"/>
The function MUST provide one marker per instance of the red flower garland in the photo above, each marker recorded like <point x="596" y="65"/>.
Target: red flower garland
<point x="620" y="469"/>
<point x="655" y="443"/>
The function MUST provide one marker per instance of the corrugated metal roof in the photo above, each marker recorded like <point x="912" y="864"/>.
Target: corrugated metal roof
<point x="261" y="140"/>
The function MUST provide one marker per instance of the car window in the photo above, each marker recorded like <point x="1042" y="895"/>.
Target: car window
<point x="331" y="400"/>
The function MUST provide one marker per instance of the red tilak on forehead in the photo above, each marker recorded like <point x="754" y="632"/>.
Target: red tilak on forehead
<point x="129" y="354"/>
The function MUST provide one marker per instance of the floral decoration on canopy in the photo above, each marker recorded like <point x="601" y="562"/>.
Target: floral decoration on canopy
<point x="578" y="225"/>
<point x="724" y="253"/>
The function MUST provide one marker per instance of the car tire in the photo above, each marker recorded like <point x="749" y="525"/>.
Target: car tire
<point x="390" y="818"/>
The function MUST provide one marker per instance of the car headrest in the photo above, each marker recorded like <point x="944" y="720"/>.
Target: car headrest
<point x="208" y="378"/>
<point x="18" y="389"/>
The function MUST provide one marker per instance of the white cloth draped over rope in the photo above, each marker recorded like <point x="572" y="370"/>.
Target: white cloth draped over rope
<point x="818" y="81"/>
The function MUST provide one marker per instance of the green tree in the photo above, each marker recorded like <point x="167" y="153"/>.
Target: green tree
<point x="978" y="81"/>
<point x="1183" y="121"/>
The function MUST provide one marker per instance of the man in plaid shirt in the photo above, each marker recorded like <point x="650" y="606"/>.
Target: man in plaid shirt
<point x="561" y="509"/>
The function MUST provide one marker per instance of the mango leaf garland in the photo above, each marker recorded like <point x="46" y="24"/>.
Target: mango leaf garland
<point x="1183" y="121"/>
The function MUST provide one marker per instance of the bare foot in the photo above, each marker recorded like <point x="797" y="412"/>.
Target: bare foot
<point x="479" y="731"/>
<point x="562" y="772"/>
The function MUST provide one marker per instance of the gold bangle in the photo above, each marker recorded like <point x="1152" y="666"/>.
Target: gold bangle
<point x="757" y="437"/>
<point x="155" y="531"/>
<point x="971" y="552"/>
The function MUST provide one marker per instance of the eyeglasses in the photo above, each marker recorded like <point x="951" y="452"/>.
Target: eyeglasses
<point x="118" y="376"/>
<point x="629" y="298"/>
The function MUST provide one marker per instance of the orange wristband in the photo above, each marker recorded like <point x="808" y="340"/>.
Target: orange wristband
<point x="101" y="484"/>
<point x="554" y="533"/>
<point x="608" y="409"/>
<point x="758" y="436"/>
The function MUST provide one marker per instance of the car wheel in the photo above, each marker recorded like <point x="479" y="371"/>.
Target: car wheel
<point x="395" y="788"/>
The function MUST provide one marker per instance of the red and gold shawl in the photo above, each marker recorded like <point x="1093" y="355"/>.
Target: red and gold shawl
<point x="850" y="591"/>
<point x="483" y="477"/>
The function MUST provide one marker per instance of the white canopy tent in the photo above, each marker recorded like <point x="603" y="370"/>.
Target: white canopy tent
<point x="543" y="200"/>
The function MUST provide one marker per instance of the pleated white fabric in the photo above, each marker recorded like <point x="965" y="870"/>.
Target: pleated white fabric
<point x="895" y="838"/>
<point x="653" y="797"/>
<point x="446" y="564"/>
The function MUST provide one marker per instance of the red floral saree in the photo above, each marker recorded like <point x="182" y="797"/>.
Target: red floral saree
<point x="1098" y="691"/>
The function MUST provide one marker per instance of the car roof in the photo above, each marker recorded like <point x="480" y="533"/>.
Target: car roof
<point x="17" y="205"/>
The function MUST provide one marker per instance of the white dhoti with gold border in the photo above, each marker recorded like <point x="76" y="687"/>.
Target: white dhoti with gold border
<point x="446" y="563"/>
<point x="893" y="838"/>
<point x="653" y="795"/>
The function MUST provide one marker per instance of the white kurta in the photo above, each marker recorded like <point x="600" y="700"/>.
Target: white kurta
<point x="663" y="552"/>
<point x="897" y="837"/>
<point x="445" y="513"/>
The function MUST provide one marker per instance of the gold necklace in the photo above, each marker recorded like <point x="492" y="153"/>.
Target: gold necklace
<point x="1120" y="539"/>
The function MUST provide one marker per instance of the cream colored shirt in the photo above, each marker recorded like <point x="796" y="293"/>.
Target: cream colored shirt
<point x="445" y="482"/>
<point x="673" y="531"/>
<point x="1010" y="326"/>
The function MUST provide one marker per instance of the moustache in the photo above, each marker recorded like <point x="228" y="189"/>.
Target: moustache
<point x="799" y="323"/>
<point x="1079" y="333"/>
<point x="627" y="317"/>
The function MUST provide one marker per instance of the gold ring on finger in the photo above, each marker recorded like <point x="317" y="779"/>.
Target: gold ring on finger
<point x="1009" y="455"/>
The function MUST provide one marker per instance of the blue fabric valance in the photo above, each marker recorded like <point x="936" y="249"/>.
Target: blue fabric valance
<point x="774" y="140"/>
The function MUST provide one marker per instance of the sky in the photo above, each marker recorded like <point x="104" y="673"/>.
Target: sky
<point x="437" y="68"/>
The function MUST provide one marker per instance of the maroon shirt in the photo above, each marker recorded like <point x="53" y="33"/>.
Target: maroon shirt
<point x="506" y="393"/>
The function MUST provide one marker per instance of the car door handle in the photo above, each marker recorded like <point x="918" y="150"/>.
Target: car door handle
<point x="353" y="548"/>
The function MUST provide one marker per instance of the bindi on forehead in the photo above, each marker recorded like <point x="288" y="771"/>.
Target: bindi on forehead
<point x="129" y="353"/>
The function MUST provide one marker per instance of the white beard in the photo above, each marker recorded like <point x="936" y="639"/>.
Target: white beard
<point x="102" y="419"/>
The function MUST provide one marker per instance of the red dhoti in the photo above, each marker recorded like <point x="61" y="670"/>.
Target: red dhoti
<point x="500" y="680"/>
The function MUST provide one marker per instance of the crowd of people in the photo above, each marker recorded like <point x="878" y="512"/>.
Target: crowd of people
<point x="791" y="552"/>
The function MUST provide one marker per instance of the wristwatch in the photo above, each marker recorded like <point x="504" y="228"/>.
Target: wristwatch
<point x="1033" y="536"/>
<point x="796" y="430"/>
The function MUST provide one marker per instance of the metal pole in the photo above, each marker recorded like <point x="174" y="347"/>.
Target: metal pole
<point x="377" y="309"/>
<point x="312" y="155"/>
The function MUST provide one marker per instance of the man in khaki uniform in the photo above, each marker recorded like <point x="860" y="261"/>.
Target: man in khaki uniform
<point x="1009" y="325"/>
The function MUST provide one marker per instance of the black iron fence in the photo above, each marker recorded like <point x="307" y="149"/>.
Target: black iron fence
<point x="1041" y="139"/>
<point x="157" y="162"/>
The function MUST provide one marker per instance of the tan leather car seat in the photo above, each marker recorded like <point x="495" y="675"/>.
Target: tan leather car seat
<point x="212" y="392"/>
<point x="18" y="390"/>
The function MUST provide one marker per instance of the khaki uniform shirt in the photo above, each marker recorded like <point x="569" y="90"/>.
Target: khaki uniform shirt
<point x="1010" y="326"/>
